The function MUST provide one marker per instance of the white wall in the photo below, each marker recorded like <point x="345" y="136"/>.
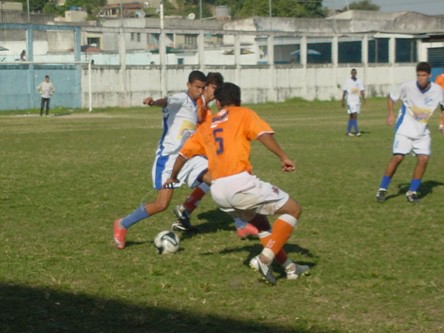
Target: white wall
<point x="111" y="87"/>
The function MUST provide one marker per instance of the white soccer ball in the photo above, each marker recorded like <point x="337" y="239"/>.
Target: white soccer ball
<point x="166" y="242"/>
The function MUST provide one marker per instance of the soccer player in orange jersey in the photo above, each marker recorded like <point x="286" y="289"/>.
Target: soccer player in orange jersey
<point x="184" y="210"/>
<point x="226" y="141"/>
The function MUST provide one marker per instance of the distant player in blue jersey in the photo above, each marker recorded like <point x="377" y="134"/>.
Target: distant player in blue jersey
<point x="420" y="98"/>
<point x="353" y="95"/>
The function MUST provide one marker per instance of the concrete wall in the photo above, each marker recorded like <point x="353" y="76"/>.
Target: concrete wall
<point x="111" y="87"/>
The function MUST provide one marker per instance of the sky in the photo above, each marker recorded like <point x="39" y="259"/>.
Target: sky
<point x="429" y="7"/>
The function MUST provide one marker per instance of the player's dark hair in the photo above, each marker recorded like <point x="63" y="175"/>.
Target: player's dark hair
<point x="215" y="78"/>
<point x="228" y="94"/>
<point x="424" y="67"/>
<point x="196" y="76"/>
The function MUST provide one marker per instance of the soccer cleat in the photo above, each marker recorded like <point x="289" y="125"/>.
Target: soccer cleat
<point x="349" y="134"/>
<point x="254" y="264"/>
<point x="119" y="234"/>
<point x="247" y="230"/>
<point x="412" y="197"/>
<point x="358" y="134"/>
<point x="295" y="271"/>
<point x="183" y="220"/>
<point x="380" y="195"/>
<point x="265" y="271"/>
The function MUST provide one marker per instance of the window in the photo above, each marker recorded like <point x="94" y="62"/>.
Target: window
<point x="436" y="56"/>
<point x="319" y="53"/>
<point x="349" y="52"/>
<point x="405" y="50"/>
<point x="378" y="50"/>
<point x="190" y="41"/>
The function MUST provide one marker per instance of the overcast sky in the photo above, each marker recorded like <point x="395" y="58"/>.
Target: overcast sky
<point x="429" y="7"/>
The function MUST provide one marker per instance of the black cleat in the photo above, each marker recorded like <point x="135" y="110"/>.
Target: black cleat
<point x="183" y="220"/>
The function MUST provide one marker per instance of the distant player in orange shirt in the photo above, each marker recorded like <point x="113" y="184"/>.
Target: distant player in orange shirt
<point x="226" y="141"/>
<point x="440" y="80"/>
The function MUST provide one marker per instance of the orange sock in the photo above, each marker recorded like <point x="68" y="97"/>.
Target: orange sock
<point x="282" y="229"/>
<point x="280" y="257"/>
<point x="192" y="201"/>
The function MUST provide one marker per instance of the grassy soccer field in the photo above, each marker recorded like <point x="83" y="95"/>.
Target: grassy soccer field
<point x="64" y="179"/>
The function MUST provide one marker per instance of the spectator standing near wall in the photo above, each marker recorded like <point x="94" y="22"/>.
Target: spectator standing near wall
<point x="46" y="90"/>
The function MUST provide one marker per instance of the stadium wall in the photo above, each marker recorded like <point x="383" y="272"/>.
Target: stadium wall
<point x="111" y="86"/>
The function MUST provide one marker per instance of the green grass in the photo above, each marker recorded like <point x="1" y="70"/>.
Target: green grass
<point x="375" y="267"/>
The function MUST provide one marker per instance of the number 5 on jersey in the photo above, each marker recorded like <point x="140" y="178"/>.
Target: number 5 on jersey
<point x="217" y="133"/>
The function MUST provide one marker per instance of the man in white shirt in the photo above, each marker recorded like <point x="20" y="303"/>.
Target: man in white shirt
<point x="46" y="90"/>
<point x="353" y="94"/>
<point x="180" y="117"/>
<point x="420" y="98"/>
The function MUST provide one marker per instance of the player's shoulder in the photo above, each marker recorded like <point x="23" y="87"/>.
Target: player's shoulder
<point x="240" y="110"/>
<point x="409" y="84"/>
<point x="179" y="99"/>
<point x="435" y="86"/>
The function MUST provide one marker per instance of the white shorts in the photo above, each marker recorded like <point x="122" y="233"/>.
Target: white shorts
<point x="353" y="108"/>
<point x="419" y="146"/>
<point x="189" y="174"/>
<point x="244" y="195"/>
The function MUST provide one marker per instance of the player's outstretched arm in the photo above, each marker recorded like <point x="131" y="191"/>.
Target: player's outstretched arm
<point x="162" y="102"/>
<point x="178" y="164"/>
<point x="268" y="140"/>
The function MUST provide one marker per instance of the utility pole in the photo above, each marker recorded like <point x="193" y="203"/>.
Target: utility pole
<point x="27" y="5"/>
<point x="121" y="13"/>
<point x="200" y="9"/>
<point x="269" y="9"/>
<point x="162" y="53"/>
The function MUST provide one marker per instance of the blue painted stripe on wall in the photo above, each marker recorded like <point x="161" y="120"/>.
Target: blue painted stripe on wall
<point x="18" y="85"/>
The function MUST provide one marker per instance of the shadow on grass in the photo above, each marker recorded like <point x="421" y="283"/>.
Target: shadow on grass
<point x="425" y="189"/>
<point x="25" y="309"/>
<point x="256" y="248"/>
<point x="216" y="220"/>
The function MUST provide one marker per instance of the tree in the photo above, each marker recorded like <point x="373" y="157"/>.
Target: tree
<point x="362" y="5"/>
<point x="34" y="5"/>
<point x="282" y="8"/>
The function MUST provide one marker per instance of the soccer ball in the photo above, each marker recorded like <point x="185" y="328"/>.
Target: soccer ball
<point x="166" y="242"/>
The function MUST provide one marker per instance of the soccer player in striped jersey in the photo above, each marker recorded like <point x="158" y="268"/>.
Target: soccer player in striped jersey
<point x="420" y="98"/>
<point x="226" y="141"/>
<point x="179" y="123"/>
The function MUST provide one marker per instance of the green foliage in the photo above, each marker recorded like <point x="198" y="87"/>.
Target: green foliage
<point x="281" y="8"/>
<point x="34" y="5"/>
<point x="362" y="5"/>
<point x="374" y="267"/>
<point x="238" y="8"/>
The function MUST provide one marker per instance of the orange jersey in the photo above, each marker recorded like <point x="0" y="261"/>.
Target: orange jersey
<point x="203" y="111"/>
<point x="226" y="140"/>
<point x="440" y="80"/>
